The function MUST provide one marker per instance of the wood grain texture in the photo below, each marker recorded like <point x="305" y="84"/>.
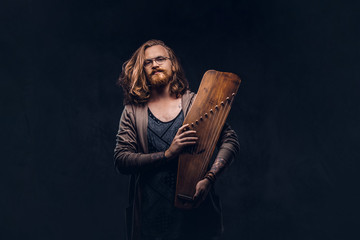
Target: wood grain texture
<point x="207" y="116"/>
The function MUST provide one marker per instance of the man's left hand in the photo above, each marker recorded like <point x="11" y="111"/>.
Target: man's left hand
<point x="202" y="190"/>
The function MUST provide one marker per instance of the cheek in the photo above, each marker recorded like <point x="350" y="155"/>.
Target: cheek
<point x="170" y="68"/>
<point x="147" y="72"/>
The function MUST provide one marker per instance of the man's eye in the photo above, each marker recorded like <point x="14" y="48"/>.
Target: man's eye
<point x="146" y="63"/>
<point x="160" y="59"/>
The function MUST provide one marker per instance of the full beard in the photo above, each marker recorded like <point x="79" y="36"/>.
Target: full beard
<point x="159" y="79"/>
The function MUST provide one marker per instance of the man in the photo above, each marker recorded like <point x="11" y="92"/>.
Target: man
<point x="148" y="142"/>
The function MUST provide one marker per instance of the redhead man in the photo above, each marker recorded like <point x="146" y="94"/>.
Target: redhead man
<point x="148" y="142"/>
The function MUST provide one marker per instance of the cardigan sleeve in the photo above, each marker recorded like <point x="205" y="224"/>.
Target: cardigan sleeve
<point x="228" y="144"/>
<point x="127" y="157"/>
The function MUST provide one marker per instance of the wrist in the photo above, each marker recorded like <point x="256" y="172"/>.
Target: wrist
<point x="208" y="181"/>
<point x="168" y="154"/>
<point x="210" y="176"/>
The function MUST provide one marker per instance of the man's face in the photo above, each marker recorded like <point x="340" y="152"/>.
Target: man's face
<point x="157" y="65"/>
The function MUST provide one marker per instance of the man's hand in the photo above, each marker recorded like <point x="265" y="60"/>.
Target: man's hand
<point x="202" y="190"/>
<point x="181" y="139"/>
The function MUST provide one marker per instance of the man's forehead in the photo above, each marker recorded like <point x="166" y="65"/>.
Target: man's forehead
<point x="156" y="51"/>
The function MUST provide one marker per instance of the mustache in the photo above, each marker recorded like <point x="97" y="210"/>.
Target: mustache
<point x="157" y="70"/>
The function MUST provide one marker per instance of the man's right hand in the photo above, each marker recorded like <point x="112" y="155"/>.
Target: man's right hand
<point x="181" y="140"/>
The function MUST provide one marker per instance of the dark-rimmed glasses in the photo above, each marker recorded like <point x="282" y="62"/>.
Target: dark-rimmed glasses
<point x="159" y="60"/>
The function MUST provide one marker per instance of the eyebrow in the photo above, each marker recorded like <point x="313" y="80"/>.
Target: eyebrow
<point x="154" y="57"/>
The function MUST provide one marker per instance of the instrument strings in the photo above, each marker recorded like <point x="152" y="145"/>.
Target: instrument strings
<point x="212" y="141"/>
<point x="207" y="117"/>
<point x="217" y="116"/>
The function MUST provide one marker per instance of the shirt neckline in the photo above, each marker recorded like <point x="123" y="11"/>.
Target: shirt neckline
<point x="158" y="120"/>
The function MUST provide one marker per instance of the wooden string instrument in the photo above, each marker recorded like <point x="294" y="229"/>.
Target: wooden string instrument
<point x="207" y="116"/>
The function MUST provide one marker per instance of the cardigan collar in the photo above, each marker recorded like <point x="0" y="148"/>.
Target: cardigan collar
<point x="141" y="119"/>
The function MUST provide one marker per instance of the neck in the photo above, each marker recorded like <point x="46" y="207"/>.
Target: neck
<point x="161" y="93"/>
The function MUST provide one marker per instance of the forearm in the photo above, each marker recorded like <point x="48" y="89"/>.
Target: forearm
<point x="128" y="154"/>
<point x="218" y="166"/>
<point x="131" y="163"/>
<point x="228" y="145"/>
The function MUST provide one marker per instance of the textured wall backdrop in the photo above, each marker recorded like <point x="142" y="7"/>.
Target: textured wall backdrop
<point x="297" y="113"/>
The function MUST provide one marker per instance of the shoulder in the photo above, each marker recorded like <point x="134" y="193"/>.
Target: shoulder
<point x="135" y="113"/>
<point x="128" y="108"/>
<point x="188" y="97"/>
<point x="128" y="113"/>
<point x="188" y="94"/>
<point x="134" y="109"/>
<point x="187" y="100"/>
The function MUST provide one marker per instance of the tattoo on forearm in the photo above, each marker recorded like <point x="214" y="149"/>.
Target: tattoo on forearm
<point x="156" y="156"/>
<point x="218" y="166"/>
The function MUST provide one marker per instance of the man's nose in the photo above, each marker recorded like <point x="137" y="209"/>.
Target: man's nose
<point x="155" y="64"/>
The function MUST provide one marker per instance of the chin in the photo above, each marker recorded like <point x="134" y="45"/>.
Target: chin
<point x="159" y="80"/>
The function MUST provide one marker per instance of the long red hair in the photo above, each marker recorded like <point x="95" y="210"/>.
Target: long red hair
<point x="133" y="78"/>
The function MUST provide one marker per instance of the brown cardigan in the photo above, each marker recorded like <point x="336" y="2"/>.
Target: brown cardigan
<point x="131" y="154"/>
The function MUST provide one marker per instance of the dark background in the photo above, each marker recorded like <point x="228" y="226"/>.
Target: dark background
<point x="297" y="112"/>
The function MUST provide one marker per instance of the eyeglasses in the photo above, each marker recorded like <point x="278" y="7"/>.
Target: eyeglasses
<point x="159" y="60"/>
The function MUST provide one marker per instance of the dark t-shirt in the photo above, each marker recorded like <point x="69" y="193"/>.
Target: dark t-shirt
<point x="159" y="217"/>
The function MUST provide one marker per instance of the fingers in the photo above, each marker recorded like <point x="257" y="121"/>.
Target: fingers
<point x="198" y="198"/>
<point x="187" y="134"/>
<point x="187" y="144"/>
<point x="182" y="128"/>
<point x="196" y="195"/>
<point x="201" y="191"/>
<point x="181" y="139"/>
<point x="188" y="139"/>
